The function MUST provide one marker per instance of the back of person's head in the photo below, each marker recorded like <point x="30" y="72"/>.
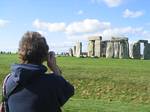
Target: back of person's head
<point x="33" y="48"/>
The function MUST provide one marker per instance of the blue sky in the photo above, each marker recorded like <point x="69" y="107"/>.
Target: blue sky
<point x="64" y="22"/>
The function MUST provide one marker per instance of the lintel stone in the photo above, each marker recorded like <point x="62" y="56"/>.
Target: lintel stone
<point x="95" y="38"/>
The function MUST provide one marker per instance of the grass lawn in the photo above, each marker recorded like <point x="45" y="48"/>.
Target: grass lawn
<point x="102" y="85"/>
<point x="90" y="105"/>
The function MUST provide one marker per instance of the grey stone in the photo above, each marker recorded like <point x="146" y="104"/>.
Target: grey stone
<point x="116" y="49"/>
<point x="74" y="50"/>
<point x="136" y="51"/>
<point x="147" y="51"/>
<point x="70" y="52"/>
<point x="78" y="49"/>
<point x="103" y="48"/>
<point x="137" y="48"/>
<point x="97" y="48"/>
<point x="94" y="46"/>
<point x="121" y="47"/>
<point x="110" y="50"/>
<point x="91" y="48"/>
<point x="124" y="49"/>
<point x="95" y="38"/>
<point x="143" y="41"/>
<point x="131" y="51"/>
<point x="118" y="39"/>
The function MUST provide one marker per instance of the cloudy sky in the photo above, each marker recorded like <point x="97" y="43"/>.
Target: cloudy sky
<point x="64" y="22"/>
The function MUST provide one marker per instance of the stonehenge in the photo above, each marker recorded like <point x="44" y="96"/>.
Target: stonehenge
<point x="117" y="47"/>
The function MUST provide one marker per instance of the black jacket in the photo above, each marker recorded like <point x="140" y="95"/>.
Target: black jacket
<point x="36" y="91"/>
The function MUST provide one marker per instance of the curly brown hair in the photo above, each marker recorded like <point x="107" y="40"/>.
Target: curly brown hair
<point x="33" y="48"/>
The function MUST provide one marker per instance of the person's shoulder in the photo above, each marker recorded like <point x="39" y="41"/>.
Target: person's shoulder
<point x="54" y="80"/>
<point x="52" y="77"/>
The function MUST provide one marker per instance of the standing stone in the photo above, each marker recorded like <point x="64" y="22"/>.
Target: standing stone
<point x="110" y="49"/>
<point x="78" y="49"/>
<point x="131" y="51"/>
<point x="74" y="50"/>
<point x="116" y="49"/>
<point x="147" y="51"/>
<point x="136" y="51"/>
<point x="124" y="49"/>
<point x="70" y="52"/>
<point x="103" y="48"/>
<point x="91" y="48"/>
<point x="98" y="46"/>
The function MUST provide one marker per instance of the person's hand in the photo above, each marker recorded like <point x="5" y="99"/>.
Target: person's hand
<point x="51" y="63"/>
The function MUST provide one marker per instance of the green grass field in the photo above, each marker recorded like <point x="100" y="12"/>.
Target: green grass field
<point x="102" y="85"/>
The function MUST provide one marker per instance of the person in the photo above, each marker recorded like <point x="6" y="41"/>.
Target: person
<point x="36" y="90"/>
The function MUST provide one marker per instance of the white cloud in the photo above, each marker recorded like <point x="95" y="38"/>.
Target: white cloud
<point x="123" y="31"/>
<point x="132" y="14"/>
<point x="80" y="12"/>
<point x="44" y="33"/>
<point x="109" y="3"/>
<point x="61" y="45"/>
<point x="86" y="26"/>
<point x="81" y="30"/>
<point x="39" y="24"/>
<point x="81" y="37"/>
<point x="52" y="27"/>
<point x="146" y="34"/>
<point x="77" y="27"/>
<point x="113" y="3"/>
<point x="3" y="23"/>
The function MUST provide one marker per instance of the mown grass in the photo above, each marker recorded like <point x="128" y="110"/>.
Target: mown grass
<point x="90" y="105"/>
<point x="5" y="62"/>
<point x="102" y="85"/>
<point x="109" y="79"/>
